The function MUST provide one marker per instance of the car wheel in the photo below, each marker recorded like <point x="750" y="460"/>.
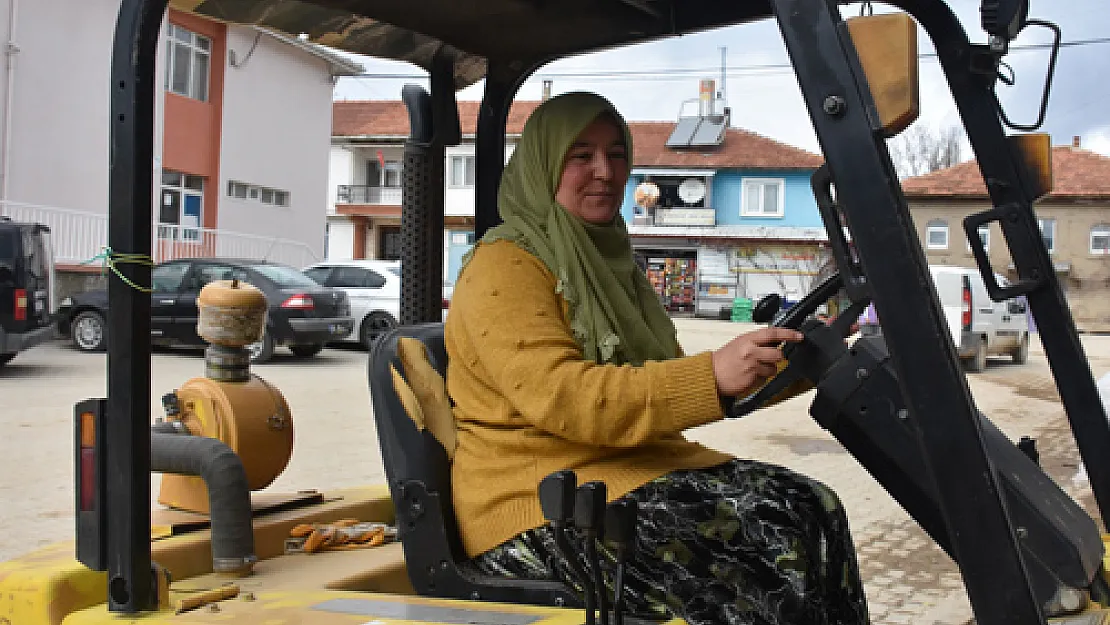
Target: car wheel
<point x="263" y="350"/>
<point x="374" y="325"/>
<point x="306" y="351"/>
<point x="978" y="361"/>
<point x="1021" y="352"/>
<point x="88" y="331"/>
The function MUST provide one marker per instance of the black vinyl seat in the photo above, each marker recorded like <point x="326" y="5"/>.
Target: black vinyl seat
<point x="418" y="470"/>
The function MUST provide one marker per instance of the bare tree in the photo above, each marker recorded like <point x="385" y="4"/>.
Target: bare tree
<point x="922" y="149"/>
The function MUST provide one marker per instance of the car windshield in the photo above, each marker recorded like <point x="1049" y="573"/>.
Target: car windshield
<point x="395" y="271"/>
<point x="285" y="276"/>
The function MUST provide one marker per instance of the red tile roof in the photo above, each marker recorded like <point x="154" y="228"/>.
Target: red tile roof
<point x="389" y="118"/>
<point x="740" y="149"/>
<point x="1077" y="173"/>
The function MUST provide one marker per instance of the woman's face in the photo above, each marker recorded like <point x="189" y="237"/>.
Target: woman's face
<point x="595" y="171"/>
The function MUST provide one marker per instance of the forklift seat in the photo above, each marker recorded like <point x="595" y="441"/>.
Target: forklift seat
<point x="416" y="433"/>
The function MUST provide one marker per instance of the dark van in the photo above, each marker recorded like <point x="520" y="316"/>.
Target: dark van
<point x="26" y="284"/>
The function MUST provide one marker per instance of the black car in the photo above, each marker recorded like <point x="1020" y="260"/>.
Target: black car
<point x="26" y="272"/>
<point x="302" y="314"/>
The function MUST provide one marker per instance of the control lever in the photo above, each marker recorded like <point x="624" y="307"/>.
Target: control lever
<point x="557" y="494"/>
<point x="589" y="517"/>
<point x="620" y="527"/>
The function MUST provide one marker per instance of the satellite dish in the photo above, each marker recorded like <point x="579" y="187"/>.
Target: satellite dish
<point x="646" y="195"/>
<point x="691" y="191"/>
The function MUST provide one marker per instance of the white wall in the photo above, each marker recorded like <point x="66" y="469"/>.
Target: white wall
<point x="60" y="117"/>
<point x="341" y="168"/>
<point x="276" y="133"/>
<point x="341" y="238"/>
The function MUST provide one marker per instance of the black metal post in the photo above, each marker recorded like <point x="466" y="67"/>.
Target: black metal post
<point x="434" y="124"/>
<point x="1009" y="186"/>
<point x="940" y="406"/>
<point x="503" y="80"/>
<point x="130" y="580"/>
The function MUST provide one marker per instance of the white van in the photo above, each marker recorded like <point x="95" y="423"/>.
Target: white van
<point x="980" y="326"/>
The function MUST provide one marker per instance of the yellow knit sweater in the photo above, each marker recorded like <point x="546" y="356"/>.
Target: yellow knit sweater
<point x="527" y="404"/>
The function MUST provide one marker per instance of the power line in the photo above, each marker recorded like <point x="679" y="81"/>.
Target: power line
<point x="680" y="73"/>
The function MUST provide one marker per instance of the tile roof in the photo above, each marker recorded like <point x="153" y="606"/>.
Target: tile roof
<point x="389" y="118"/>
<point x="740" y="149"/>
<point x="1077" y="173"/>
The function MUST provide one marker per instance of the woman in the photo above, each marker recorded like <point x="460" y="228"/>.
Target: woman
<point x="562" y="357"/>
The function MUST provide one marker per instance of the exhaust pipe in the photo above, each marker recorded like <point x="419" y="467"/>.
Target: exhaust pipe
<point x="228" y="493"/>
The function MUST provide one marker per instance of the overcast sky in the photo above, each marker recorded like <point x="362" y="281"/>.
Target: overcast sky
<point x="767" y="100"/>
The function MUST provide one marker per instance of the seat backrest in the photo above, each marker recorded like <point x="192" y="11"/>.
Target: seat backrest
<point x="418" y="469"/>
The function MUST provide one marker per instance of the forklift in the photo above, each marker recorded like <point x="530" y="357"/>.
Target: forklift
<point x="899" y="403"/>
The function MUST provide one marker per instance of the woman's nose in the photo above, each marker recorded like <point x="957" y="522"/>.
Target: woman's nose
<point x="603" y="167"/>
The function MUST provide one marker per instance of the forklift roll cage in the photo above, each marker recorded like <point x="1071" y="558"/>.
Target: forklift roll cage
<point x="505" y="41"/>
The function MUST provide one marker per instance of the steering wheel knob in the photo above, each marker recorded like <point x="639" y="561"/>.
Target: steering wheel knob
<point x="766" y="308"/>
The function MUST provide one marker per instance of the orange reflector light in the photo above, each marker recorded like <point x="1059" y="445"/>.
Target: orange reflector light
<point x="88" y="430"/>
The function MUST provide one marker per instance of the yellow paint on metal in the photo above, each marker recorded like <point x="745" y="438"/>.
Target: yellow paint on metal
<point x="251" y="417"/>
<point x="1035" y="149"/>
<point x="42" y="587"/>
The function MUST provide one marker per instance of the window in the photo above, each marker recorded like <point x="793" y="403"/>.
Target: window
<point x="206" y="273"/>
<point x="392" y="175"/>
<point x="356" y="278"/>
<point x="167" y="278"/>
<point x="182" y="205"/>
<point x="389" y="243"/>
<point x="984" y="237"/>
<point x="266" y="195"/>
<point x="462" y="171"/>
<point x="762" y="197"/>
<point x="187" y="61"/>
<point x="284" y="277"/>
<point x="1048" y="233"/>
<point x="1100" y="239"/>
<point x="319" y="275"/>
<point x="237" y="189"/>
<point x="936" y="235"/>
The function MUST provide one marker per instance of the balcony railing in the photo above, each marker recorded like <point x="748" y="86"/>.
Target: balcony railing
<point x="361" y="194"/>
<point x="78" y="237"/>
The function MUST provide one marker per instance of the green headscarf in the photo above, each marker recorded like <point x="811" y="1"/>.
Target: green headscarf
<point x="615" y="314"/>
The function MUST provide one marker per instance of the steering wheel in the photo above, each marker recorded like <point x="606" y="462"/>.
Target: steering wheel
<point x="796" y="319"/>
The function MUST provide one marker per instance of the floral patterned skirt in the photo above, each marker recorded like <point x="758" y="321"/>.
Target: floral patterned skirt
<point x="741" y="542"/>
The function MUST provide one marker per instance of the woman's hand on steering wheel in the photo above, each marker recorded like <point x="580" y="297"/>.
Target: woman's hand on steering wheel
<point x="746" y="362"/>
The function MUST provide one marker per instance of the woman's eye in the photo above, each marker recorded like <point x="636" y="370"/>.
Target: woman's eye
<point x="580" y="156"/>
<point x="618" y="154"/>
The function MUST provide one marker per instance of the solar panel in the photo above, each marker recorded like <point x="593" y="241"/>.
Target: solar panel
<point x="683" y="132"/>
<point x="710" y="132"/>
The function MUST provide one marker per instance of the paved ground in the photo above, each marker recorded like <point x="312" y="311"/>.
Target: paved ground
<point x="907" y="577"/>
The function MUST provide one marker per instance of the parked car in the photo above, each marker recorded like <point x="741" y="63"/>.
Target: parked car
<point x="374" y="289"/>
<point x="26" y="285"/>
<point x="980" y="326"/>
<point x="302" y="315"/>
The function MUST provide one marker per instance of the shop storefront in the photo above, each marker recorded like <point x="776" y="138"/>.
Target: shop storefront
<point x="704" y="278"/>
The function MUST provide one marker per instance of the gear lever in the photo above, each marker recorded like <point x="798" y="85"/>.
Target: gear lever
<point x="557" y="494"/>
<point x="589" y="516"/>
<point x="620" y="527"/>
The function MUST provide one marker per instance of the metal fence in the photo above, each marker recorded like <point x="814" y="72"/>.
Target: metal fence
<point x="80" y="237"/>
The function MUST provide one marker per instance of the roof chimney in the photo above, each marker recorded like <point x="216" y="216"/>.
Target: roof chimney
<point x="1075" y="143"/>
<point x="546" y="91"/>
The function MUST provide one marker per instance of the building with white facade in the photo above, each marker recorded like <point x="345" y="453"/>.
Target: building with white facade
<point x="242" y="137"/>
